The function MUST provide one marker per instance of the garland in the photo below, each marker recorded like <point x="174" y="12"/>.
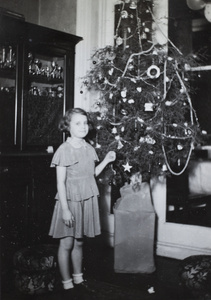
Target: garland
<point x="143" y="111"/>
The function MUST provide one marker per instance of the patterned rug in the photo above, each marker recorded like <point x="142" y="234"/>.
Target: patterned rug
<point x="103" y="291"/>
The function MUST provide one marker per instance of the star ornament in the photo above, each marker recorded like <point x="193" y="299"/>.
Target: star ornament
<point x="127" y="167"/>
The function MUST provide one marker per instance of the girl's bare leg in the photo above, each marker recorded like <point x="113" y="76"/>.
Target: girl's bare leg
<point x="65" y="247"/>
<point x="77" y="256"/>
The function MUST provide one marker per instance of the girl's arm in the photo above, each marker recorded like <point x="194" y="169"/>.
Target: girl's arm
<point x="67" y="216"/>
<point x="110" y="156"/>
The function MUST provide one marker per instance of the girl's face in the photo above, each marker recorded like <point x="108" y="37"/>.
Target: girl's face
<point x="79" y="126"/>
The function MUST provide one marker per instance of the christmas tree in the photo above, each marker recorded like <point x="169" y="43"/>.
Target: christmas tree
<point x="144" y="111"/>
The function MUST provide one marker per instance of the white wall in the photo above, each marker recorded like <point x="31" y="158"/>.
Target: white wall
<point x="28" y="8"/>
<point x="59" y="15"/>
<point x="95" y="23"/>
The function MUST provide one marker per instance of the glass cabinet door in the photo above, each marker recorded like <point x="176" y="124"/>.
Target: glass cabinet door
<point x="8" y="101"/>
<point x="44" y="99"/>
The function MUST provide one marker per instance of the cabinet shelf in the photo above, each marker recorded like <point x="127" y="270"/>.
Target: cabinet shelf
<point x="45" y="80"/>
<point x="7" y="73"/>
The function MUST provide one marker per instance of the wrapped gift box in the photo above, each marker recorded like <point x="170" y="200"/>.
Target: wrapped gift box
<point x="134" y="231"/>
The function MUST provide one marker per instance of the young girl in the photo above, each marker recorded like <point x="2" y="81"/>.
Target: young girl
<point x="76" y="211"/>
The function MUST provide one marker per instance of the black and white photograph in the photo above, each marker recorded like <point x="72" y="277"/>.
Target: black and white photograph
<point x="105" y="149"/>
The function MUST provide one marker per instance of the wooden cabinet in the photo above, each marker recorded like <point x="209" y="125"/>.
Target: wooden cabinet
<point x="36" y="88"/>
<point x="28" y="188"/>
<point x="36" y="83"/>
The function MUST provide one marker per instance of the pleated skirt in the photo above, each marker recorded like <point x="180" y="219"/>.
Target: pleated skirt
<point x="86" y="215"/>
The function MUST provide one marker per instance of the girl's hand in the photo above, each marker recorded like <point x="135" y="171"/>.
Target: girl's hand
<point x="68" y="218"/>
<point x="110" y="156"/>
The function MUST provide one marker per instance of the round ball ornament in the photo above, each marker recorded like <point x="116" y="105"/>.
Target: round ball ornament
<point x="196" y="4"/>
<point x="207" y="12"/>
<point x="119" y="41"/>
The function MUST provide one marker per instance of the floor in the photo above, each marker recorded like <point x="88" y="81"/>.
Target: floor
<point x="163" y="284"/>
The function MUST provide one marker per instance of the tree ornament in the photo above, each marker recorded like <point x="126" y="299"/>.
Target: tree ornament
<point x="144" y="36"/>
<point x="153" y="72"/>
<point x="110" y="55"/>
<point x="149" y="140"/>
<point x="133" y="4"/>
<point x="120" y="145"/>
<point x="207" y="12"/>
<point x="119" y="41"/>
<point x="131" y="67"/>
<point x="114" y="130"/>
<point x="148" y="106"/>
<point x="127" y="167"/>
<point x="124" y="14"/>
<point x="182" y="90"/>
<point x="168" y="103"/>
<point x="124" y="112"/>
<point x="164" y="168"/>
<point x="140" y="120"/>
<point x="97" y="146"/>
<point x="124" y="93"/>
<point x="179" y="147"/>
<point x="95" y="59"/>
<point x="110" y="72"/>
<point x="139" y="89"/>
<point x="195" y="4"/>
<point x="131" y="101"/>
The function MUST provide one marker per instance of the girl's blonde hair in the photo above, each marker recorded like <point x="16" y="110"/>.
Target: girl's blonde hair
<point x="64" y="124"/>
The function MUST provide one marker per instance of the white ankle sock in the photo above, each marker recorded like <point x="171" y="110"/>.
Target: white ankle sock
<point x="78" y="278"/>
<point x="68" y="284"/>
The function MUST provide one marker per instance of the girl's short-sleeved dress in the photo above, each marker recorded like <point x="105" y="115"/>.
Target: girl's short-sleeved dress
<point x="81" y="190"/>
